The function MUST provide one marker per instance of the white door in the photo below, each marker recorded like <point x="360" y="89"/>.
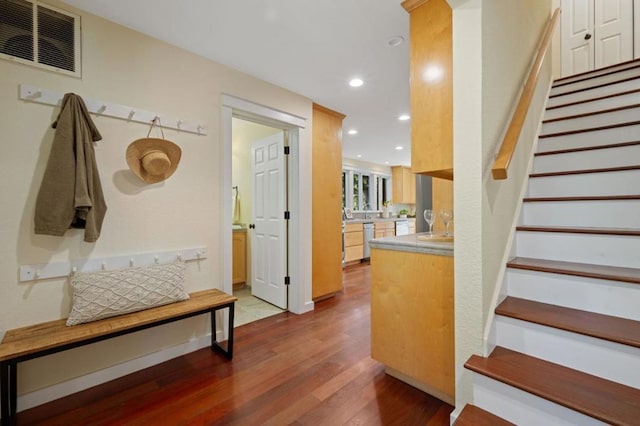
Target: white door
<point x="595" y="34"/>
<point x="268" y="242"/>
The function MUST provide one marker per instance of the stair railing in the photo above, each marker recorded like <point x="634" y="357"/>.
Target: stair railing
<point x="510" y="141"/>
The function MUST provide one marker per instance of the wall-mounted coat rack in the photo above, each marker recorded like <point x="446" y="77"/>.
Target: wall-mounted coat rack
<point x="62" y="269"/>
<point x="108" y="109"/>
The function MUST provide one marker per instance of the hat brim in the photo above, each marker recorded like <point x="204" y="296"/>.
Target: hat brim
<point x="137" y="149"/>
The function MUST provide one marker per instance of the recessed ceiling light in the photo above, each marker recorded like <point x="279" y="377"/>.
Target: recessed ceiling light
<point x="395" y="41"/>
<point x="356" y="82"/>
<point x="359" y="156"/>
<point x="353" y="132"/>
<point x="386" y="162"/>
<point x="404" y="117"/>
<point x="399" y="148"/>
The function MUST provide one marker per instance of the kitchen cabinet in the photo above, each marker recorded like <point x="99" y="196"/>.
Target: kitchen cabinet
<point x="326" y="187"/>
<point x="353" y="242"/>
<point x="412" y="318"/>
<point x="404" y="185"/>
<point x="384" y="229"/>
<point x="431" y="87"/>
<point x="239" y="249"/>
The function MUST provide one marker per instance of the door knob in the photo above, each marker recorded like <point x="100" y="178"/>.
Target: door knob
<point x="587" y="36"/>
<point x="252" y="226"/>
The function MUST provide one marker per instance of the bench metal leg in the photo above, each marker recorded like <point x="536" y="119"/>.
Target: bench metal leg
<point x="214" y="343"/>
<point x="8" y="392"/>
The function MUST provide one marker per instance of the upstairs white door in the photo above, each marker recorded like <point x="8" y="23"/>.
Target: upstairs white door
<point x="269" y="239"/>
<point x="595" y="34"/>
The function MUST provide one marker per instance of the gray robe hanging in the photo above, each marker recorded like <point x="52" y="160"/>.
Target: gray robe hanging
<point x="70" y="195"/>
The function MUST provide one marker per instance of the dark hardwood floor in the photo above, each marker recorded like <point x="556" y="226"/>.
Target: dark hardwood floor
<point x="311" y="369"/>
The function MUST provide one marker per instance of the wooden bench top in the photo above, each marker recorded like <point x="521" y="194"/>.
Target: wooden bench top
<point x="48" y="335"/>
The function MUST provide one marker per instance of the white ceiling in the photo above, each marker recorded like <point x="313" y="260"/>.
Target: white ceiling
<point x="311" y="47"/>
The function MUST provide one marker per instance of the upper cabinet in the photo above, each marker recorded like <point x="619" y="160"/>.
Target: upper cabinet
<point x="404" y="185"/>
<point x="431" y="74"/>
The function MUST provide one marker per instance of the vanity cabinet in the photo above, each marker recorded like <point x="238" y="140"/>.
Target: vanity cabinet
<point x="239" y="248"/>
<point x="384" y="229"/>
<point x="404" y="185"/>
<point x="431" y="87"/>
<point x="353" y="242"/>
<point x="326" y="188"/>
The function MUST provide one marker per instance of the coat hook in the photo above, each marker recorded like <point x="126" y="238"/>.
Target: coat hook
<point x="179" y="256"/>
<point x="179" y="124"/>
<point x="104" y="266"/>
<point x="36" y="274"/>
<point x="199" y="128"/>
<point x="74" y="270"/>
<point x="156" y="259"/>
<point x="131" y="261"/>
<point x="36" y="94"/>
<point x="102" y="109"/>
<point x="131" y="113"/>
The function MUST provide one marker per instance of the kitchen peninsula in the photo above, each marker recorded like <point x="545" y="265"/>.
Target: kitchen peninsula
<point x="412" y="316"/>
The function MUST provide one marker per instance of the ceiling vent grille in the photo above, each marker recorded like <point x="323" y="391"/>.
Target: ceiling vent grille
<point x="37" y="34"/>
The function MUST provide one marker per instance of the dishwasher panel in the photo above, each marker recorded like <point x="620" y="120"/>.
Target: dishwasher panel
<point x="368" y="235"/>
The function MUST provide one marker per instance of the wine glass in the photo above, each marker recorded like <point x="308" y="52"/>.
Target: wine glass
<point x="430" y="217"/>
<point x="447" y="218"/>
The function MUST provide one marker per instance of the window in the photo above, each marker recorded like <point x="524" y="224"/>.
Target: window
<point x="36" y="34"/>
<point x="364" y="189"/>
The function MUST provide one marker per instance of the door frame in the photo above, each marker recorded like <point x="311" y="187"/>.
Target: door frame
<point x="231" y="107"/>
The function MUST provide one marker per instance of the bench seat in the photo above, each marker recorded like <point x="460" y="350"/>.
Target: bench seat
<point x="38" y="340"/>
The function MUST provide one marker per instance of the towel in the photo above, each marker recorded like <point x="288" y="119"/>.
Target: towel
<point x="236" y="207"/>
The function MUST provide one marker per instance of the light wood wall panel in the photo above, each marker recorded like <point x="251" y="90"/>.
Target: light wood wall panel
<point x="326" y="202"/>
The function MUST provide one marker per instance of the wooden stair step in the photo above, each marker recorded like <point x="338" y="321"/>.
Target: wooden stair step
<point x="475" y="416"/>
<point x="606" y="327"/>
<point x="588" y="114"/>
<point x="587" y="148"/>
<point x="583" y="198"/>
<point x="585" y="171"/>
<point x="589" y="129"/>
<point x="593" y="396"/>
<point x="581" y="230"/>
<point x="597" y="98"/>
<point x="586" y="75"/>
<point x="595" y="86"/>
<point x="603" y="272"/>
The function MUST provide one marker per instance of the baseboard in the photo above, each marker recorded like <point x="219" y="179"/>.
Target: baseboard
<point x="59" y="390"/>
<point x="421" y="386"/>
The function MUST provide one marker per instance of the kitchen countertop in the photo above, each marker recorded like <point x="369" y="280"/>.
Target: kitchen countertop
<point x="377" y="219"/>
<point x="411" y="243"/>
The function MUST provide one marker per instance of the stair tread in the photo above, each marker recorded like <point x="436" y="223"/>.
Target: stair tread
<point x="597" y="86"/>
<point x="614" y="329"/>
<point x="588" y="114"/>
<point x="585" y="171"/>
<point x="598" y="98"/>
<point x="476" y="416"/>
<point x="625" y="65"/>
<point x="580" y="230"/>
<point x="588" y="129"/>
<point x="604" y="272"/>
<point x="587" y="148"/>
<point x="583" y="198"/>
<point x="593" y="396"/>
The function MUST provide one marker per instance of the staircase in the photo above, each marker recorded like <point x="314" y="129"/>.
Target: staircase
<point x="567" y="334"/>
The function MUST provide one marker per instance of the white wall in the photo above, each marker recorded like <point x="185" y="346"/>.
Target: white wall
<point x="121" y="66"/>
<point x="494" y="43"/>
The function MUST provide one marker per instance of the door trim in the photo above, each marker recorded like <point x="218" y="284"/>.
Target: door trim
<point x="232" y="106"/>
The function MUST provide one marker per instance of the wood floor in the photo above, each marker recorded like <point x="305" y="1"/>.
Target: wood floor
<point x="311" y="369"/>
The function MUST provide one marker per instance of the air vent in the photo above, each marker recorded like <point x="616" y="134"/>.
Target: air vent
<point x="37" y="34"/>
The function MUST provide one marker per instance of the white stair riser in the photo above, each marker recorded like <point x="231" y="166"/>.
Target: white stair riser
<point x="522" y="408"/>
<point x="605" y="297"/>
<point x="609" y="183"/>
<point x="609" y="250"/>
<point x="593" y="138"/>
<point x="594" y="93"/>
<point x="586" y="84"/>
<point x="611" y="361"/>
<point x="599" y="105"/>
<point x="591" y="121"/>
<point x="593" y="159"/>
<point x="597" y="72"/>
<point x="583" y="213"/>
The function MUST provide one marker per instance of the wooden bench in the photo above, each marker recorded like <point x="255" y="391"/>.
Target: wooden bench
<point x="22" y="344"/>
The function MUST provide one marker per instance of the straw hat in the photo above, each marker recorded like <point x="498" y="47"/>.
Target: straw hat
<point x="153" y="160"/>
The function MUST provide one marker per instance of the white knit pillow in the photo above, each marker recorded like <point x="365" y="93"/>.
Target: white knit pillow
<point x="104" y="294"/>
